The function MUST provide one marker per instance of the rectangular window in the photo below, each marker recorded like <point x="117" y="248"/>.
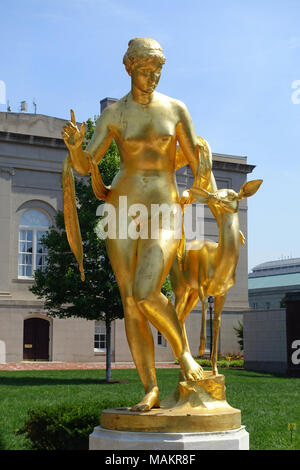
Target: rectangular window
<point x="32" y="255"/>
<point x="100" y="337"/>
<point x="161" y="341"/>
<point x="25" y="253"/>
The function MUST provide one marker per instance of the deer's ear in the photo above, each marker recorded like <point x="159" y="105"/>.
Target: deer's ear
<point x="201" y="194"/>
<point x="250" y="188"/>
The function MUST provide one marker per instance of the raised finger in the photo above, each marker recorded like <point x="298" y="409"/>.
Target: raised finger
<point x="73" y="117"/>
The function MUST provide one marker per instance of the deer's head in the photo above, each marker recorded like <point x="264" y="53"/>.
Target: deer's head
<point x="227" y="200"/>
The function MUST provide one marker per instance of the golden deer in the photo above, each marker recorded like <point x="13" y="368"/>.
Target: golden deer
<point x="208" y="268"/>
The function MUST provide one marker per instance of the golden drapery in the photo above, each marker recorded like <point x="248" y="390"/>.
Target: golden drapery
<point x="70" y="214"/>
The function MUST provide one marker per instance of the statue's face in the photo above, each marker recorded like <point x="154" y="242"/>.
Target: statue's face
<point x="145" y="74"/>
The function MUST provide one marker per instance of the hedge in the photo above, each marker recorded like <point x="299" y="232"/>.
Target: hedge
<point x="63" y="427"/>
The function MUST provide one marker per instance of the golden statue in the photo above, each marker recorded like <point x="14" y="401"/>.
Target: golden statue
<point x="146" y="126"/>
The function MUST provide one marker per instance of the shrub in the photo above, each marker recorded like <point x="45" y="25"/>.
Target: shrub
<point x="223" y="363"/>
<point x="63" y="427"/>
<point x="239" y="331"/>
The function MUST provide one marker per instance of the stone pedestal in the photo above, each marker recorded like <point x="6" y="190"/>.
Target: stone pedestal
<point x="107" y="439"/>
<point x="196" y="416"/>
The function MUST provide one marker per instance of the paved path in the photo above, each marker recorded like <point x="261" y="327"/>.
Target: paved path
<point x="76" y="365"/>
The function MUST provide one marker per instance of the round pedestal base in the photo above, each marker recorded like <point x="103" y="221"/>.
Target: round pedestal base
<point x="195" y="406"/>
<point x="172" y="420"/>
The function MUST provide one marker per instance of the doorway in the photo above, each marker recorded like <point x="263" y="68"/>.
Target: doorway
<point x="36" y="340"/>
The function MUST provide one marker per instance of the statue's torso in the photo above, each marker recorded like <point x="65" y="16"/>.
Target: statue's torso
<point x="146" y="139"/>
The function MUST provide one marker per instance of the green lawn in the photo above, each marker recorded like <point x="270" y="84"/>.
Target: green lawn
<point x="268" y="403"/>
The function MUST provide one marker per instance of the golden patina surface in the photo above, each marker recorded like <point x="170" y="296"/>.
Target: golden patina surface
<point x="195" y="406"/>
<point x="206" y="268"/>
<point x="155" y="136"/>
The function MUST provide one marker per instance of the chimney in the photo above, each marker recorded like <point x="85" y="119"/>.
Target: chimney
<point x="106" y="102"/>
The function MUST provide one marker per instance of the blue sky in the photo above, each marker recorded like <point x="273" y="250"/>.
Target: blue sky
<point x="231" y="62"/>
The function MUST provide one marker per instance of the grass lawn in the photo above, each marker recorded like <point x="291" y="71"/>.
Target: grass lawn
<point x="268" y="403"/>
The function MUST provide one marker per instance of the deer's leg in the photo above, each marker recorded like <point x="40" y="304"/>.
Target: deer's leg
<point x="203" y="325"/>
<point x="219" y="304"/>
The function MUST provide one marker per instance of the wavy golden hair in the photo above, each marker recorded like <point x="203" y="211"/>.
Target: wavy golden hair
<point x="142" y="48"/>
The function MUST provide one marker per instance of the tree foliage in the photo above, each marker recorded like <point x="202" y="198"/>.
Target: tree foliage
<point x="239" y="331"/>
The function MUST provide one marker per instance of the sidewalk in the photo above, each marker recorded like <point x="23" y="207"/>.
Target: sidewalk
<point x="14" y="366"/>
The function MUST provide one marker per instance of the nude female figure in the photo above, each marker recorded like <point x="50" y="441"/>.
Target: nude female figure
<point x="146" y="127"/>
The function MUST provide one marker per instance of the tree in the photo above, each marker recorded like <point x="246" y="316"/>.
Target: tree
<point x="239" y="331"/>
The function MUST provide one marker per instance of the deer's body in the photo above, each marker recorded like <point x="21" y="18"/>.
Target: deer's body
<point x="208" y="268"/>
<point x="212" y="265"/>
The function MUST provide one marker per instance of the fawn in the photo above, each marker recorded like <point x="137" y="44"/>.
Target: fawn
<point x="208" y="268"/>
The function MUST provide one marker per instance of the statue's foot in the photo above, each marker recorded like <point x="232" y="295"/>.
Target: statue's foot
<point x="192" y="370"/>
<point x="149" y="401"/>
<point x="214" y="370"/>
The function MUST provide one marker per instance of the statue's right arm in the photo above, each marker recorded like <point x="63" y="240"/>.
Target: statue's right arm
<point x="81" y="159"/>
<point x="102" y="137"/>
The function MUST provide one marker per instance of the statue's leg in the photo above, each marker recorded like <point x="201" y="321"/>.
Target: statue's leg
<point x="154" y="261"/>
<point x="122" y="254"/>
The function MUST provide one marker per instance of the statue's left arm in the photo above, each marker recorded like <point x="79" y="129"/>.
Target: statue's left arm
<point x="194" y="150"/>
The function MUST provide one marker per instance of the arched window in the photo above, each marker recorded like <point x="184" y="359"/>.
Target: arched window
<point x="33" y="225"/>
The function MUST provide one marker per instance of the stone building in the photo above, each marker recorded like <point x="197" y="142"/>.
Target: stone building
<point x="266" y="325"/>
<point x="269" y="282"/>
<point x="31" y="156"/>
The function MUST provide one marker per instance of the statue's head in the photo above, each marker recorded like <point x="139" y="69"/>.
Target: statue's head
<point x="142" y="50"/>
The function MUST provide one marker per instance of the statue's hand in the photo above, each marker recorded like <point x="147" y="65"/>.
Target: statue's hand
<point x="73" y="138"/>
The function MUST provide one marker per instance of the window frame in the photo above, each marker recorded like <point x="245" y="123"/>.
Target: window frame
<point x="34" y="253"/>
<point x="163" y="343"/>
<point x="100" y="350"/>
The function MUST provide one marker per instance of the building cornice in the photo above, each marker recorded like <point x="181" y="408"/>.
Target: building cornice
<point x="31" y="140"/>
<point x="220" y="162"/>
<point x="232" y="166"/>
